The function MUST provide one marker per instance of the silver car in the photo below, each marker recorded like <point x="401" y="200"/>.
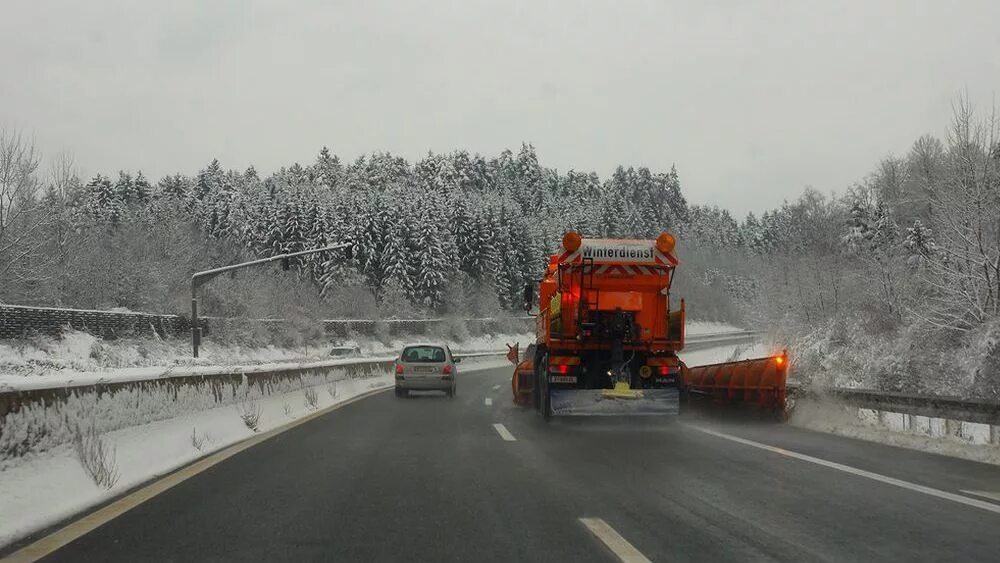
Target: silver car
<point x="426" y="367"/>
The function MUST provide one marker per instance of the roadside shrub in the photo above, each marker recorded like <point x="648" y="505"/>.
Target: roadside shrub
<point x="97" y="457"/>
<point x="197" y="441"/>
<point x="311" y="398"/>
<point x="249" y="413"/>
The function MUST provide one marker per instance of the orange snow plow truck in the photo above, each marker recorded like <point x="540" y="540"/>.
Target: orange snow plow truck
<point x="607" y="339"/>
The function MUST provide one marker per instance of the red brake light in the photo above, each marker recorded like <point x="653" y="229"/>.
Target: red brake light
<point x="399" y="369"/>
<point x="446" y="369"/>
<point x="664" y="370"/>
<point x="564" y="369"/>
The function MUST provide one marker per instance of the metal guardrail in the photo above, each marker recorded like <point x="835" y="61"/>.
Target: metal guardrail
<point x="954" y="408"/>
<point x="698" y="342"/>
<point x="221" y="380"/>
<point x="984" y="411"/>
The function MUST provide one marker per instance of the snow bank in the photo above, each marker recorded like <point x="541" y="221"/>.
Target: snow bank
<point x="967" y="440"/>
<point x="40" y="489"/>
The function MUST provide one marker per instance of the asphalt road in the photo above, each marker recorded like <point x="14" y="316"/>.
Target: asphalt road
<point x="431" y="479"/>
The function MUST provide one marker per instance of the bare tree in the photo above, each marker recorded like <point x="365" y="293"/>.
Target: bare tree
<point x="21" y="218"/>
<point x="964" y="269"/>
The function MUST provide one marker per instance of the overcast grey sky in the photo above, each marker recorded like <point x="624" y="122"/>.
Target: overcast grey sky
<point x="751" y="100"/>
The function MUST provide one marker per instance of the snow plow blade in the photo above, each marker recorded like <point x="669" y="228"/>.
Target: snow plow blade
<point x="760" y="383"/>
<point x="615" y="402"/>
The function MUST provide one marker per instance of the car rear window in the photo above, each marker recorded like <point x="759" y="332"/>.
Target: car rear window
<point x="423" y="354"/>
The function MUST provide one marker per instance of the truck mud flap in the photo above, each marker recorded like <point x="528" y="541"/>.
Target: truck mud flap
<point x="597" y="402"/>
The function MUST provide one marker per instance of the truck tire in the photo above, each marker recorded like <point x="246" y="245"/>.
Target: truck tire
<point x="542" y="384"/>
<point x="536" y="393"/>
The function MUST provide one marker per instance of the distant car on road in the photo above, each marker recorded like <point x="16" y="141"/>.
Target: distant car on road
<point x="426" y="367"/>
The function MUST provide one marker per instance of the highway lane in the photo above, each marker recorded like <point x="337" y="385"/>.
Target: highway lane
<point x="429" y="478"/>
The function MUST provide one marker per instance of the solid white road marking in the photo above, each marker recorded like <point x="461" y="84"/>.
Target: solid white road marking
<point x="504" y="433"/>
<point x="859" y="472"/>
<point x="91" y="521"/>
<point x="985" y="494"/>
<point x="616" y="543"/>
<point x="489" y="402"/>
<point x="495" y="387"/>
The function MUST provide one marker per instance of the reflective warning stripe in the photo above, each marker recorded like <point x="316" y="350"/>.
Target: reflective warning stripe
<point x="570" y="257"/>
<point x="629" y="269"/>
<point x="665" y="259"/>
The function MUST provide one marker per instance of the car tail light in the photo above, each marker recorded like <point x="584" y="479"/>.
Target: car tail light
<point x="664" y="370"/>
<point x="399" y="369"/>
<point x="561" y="369"/>
<point x="446" y="369"/>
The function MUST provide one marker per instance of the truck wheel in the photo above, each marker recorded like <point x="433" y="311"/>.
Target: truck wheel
<point x="536" y="393"/>
<point x="544" y="400"/>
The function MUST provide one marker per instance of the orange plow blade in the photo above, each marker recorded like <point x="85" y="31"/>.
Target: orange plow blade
<point x="758" y="383"/>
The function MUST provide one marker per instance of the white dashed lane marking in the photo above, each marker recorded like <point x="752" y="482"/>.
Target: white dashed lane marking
<point x="985" y="494"/>
<point x="504" y="433"/>
<point x="618" y="545"/>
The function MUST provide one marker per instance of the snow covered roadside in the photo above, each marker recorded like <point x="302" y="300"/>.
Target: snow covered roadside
<point x="41" y="489"/>
<point x="968" y="440"/>
<point x="82" y="359"/>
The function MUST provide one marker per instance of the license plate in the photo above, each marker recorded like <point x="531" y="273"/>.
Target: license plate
<point x="562" y="379"/>
<point x="424" y="369"/>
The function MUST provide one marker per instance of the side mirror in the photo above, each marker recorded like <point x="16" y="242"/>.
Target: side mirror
<point x="457" y="360"/>
<point x="529" y="297"/>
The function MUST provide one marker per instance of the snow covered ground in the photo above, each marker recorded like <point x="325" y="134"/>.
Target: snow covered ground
<point x="41" y="489"/>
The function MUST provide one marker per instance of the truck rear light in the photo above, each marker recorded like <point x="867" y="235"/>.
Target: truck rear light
<point x="399" y="369"/>
<point x="446" y="369"/>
